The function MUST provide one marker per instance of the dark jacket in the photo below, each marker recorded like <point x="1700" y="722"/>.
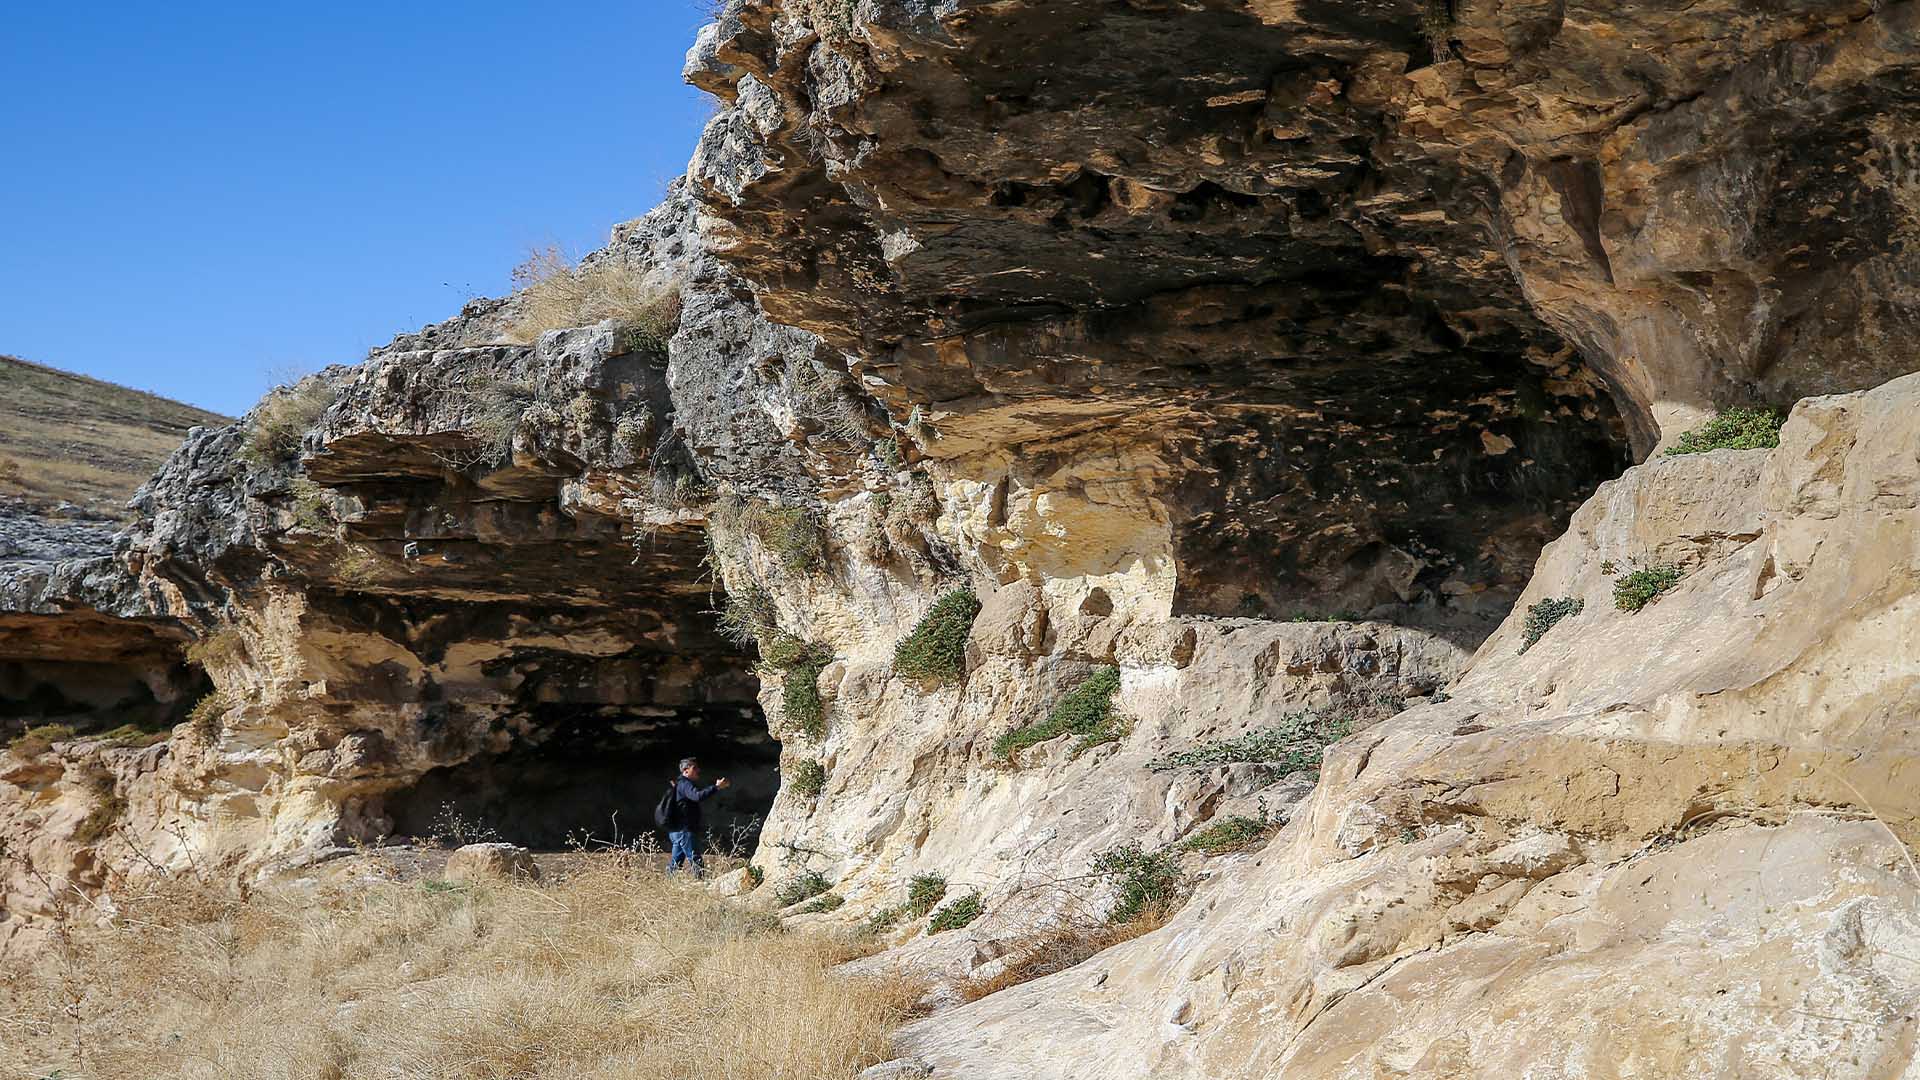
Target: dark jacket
<point x="687" y="800"/>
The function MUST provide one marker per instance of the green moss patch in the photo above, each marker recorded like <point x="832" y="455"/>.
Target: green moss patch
<point x="1641" y="587"/>
<point x="1545" y="615"/>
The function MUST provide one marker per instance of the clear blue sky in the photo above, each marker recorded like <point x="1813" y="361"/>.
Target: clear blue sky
<point x="196" y="195"/>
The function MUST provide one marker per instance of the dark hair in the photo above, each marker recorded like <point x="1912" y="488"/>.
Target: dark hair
<point x="688" y="763"/>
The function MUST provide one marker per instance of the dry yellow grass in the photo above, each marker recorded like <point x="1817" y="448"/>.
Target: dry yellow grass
<point x="554" y="294"/>
<point x="68" y="437"/>
<point x="1057" y="950"/>
<point x="613" y="971"/>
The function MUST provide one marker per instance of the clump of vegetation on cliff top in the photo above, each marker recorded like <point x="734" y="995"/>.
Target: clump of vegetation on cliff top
<point x="489" y="984"/>
<point x="104" y="814"/>
<point x="1545" y="615"/>
<point x="1086" y="711"/>
<point x="1641" y="587"/>
<point x="282" y="420"/>
<point x="809" y="777"/>
<point x="1297" y="742"/>
<point x="553" y="293"/>
<point x="936" y="649"/>
<point x="957" y="914"/>
<point x="1735" y="429"/>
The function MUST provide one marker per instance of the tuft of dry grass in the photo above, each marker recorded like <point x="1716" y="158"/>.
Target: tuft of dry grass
<point x="1057" y="950"/>
<point x="610" y="970"/>
<point x="556" y="294"/>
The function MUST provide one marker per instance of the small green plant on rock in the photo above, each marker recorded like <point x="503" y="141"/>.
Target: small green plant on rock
<point x="1086" y="711"/>
<point x="756" y="877"/>
<point x="804" y="887"/>
<point x="1228" y="835"/>
<point x="800" y="664"/>
<point x="1546" y="614"/>
<point x="957" y="914"/>
<point x="748" y="616"/>
<point x="208" y="717"/>
<point x="1641" y="587"/>
<point x="792" y="533"/>
<point x="924" y="891"/>
<point x="809" y="777"/>
<point x="937" y="647"/>
<point x="1297" y="742"/>
<point x="828" y="902"/>
<point x="108" y="806"/>
<point x="1146" y="883"/>
<point x="1735" y="429"/>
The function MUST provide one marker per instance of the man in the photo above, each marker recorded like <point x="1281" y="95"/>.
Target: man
<point x="687" y="797"/>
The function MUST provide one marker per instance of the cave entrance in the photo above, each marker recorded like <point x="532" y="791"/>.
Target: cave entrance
<point x="95" y="675"/>
<point x="592" y="774"/>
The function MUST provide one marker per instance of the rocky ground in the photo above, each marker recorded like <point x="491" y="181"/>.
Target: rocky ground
<point x="1184" y="377"/>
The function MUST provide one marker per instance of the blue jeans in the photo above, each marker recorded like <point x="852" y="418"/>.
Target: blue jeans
<point x="684" y="851"/>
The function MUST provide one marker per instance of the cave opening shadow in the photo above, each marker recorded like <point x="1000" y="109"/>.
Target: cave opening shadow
<point x="588" y="776"/>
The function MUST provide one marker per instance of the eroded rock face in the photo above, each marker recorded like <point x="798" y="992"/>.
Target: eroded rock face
<point x="1701" y="804"/>
<point x="1150" y="325"/>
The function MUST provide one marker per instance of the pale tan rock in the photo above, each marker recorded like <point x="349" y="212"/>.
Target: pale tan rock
<point x="480" y="863"/>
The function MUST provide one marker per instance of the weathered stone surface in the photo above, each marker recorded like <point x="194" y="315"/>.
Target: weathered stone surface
<point x="1665" y="843"/>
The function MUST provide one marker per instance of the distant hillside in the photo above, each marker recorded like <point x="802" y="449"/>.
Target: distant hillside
<point x="65" y="437"/>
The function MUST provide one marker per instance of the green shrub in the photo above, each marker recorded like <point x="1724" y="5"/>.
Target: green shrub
<point x="805" y="887"/>
<point x="1735" y="429"/>
<point x="828" y="902"/>
<point x="809" y="777"/>
<point x="886" y="918"/>
<point x="1638" y="589"/>
<point x="1228" y="835"/>
<point x="1297" y="742"/>
<point x="1145" y="882"/>
<point x="937" y="647"/>
<point x="35" y="741"/>
<point x="924" y="891"/>
<point x="756" y="877"/>
<point x="1086" y="711"/>
<point x="956" y="915"/>
<point x="1543" y="616"/>
<point x="801" y="707"/>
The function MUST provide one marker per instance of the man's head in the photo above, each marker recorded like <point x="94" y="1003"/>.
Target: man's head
<point x="690" y="768"/>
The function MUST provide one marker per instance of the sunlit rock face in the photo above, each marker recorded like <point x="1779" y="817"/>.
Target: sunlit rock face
<point x="1169" y="331"/>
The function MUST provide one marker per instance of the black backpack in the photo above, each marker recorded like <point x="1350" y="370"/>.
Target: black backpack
<point x="666" y="813"/>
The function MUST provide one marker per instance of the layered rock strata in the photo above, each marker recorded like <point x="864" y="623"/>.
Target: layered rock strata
<point x="1148" y="326"/>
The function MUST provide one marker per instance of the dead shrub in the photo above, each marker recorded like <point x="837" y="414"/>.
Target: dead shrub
<point x="553" y="293"/>
<point x="282" y="419"/>
<point x="1057" y="950"/>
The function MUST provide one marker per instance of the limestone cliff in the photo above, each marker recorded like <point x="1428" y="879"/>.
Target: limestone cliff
<point x="1219" y="369"/>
